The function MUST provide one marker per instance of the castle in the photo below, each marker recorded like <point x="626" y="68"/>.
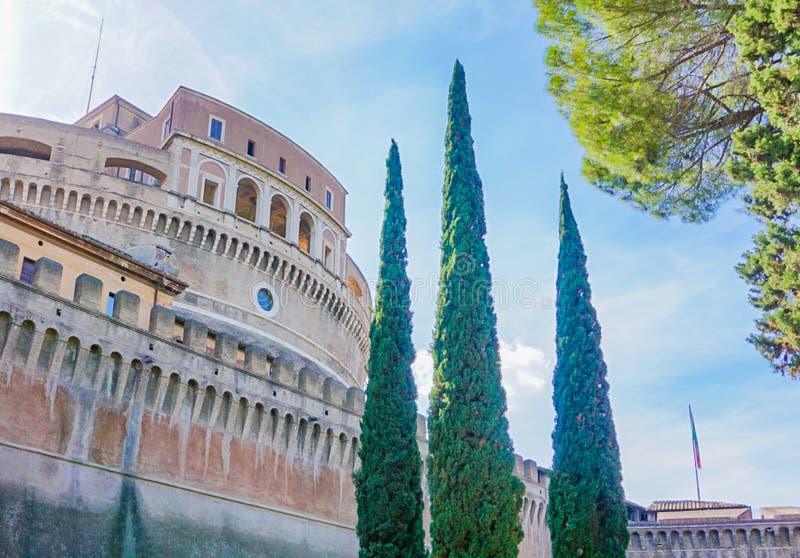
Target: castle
<point x="183" y="340"/>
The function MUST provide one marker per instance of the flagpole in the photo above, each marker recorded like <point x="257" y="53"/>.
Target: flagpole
<point x="695" y="453"/>
<point x="697" y="480"/>
<point x="94" y="68"/>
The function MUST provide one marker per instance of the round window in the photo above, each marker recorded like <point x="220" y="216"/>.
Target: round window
<point x="264" y="298"/>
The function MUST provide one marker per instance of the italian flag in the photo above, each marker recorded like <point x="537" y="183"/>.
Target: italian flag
<point x="695" y="445"/>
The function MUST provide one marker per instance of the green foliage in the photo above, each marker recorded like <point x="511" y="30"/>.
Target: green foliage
<point x="767" y="157"/>
<point x="388" y="484"/>
<point x="653" y="92"/>
<point x="586" y="510"/>
<point x="679" y="104"/>
<point x="475" y="497"/>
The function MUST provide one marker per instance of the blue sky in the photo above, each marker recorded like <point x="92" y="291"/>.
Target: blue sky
<point x="341" y="79"/>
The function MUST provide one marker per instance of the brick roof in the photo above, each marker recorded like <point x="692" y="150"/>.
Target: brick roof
<point x="691" y="505"/>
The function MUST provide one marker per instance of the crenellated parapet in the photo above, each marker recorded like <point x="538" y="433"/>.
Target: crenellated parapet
<point x="715" y="539"/>
<point x="213" y="362"/>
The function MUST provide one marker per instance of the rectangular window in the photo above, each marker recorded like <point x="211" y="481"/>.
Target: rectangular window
<point x="26" y="275"/>
<point x="326" y="258"/>
<point x="308" y="183"/>
<point x="215" y="129"/>
<point x="329" y="199"/>
<point x="251" y="148"/>
<point x="165" y="131"/>
<point x="110" y="304"/>
<point x="209" y="192"/>
<point x="282" y="165"/>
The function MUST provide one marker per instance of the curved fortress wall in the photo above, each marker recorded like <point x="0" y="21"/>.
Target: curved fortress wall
<point x="216" y="413"/>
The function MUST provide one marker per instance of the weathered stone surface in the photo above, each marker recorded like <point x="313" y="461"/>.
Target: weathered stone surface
<point x="283" y="371"/>
<point x="255" y="359"/>
<point x="9" y="256"/>
<point x="126" y="307"/>
<point x="355" y="400"/>
<point x="47" y="275"/>
<point x="334" y="391"/>
<point x="162" y="321"/>
<point x="226" y="347"/>
<point x="310" y="381"/>
<point x="195" y="334"/>
<point x="88" y="291"/>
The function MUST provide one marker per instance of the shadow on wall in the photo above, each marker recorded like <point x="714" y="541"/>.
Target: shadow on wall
<point x="33" y="527"/>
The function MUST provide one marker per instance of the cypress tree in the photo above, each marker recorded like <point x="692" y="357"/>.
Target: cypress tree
<point x="388" y="484"/>
<point x="586" y="512"/>
<point x="475" y="497"/>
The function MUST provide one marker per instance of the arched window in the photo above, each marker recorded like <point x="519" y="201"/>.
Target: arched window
<point x="135" y="171"/>
<point x="22" y="147"/>
<point x="305" y="233"/>
<point x="246" y="199"/>
<point x="278" y="215"/>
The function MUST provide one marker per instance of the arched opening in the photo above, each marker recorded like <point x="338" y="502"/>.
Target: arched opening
<point x="247" y="199"/>
<point x="24" y="342"/>
<point x="48" y="349"/>
<point x="44" y="199"/>
<point x="22" y="147"/>
<point x="636" y="541"/>
<point x="306" y="230"/>
<point x="111" y="212"/>
<point x="86" y="203"/>
<point x="278" y="215"/>
<point x="31" y="197"/>
<point x="135" y="171"/>
<point x="208" y="404"/>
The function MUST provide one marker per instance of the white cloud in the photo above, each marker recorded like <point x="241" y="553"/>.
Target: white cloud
<point x="525" y="373"/>
<point x="422" y="368"/>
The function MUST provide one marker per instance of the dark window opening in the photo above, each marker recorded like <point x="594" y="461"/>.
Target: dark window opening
<point x="308" y="183"/>
<point x="251" y="148"/>
<point x="328" y="199"/>
<point x="26" y="275"/>
<point x="282" y="165"/>
<point x="209" y="192"/>
<point x="215" y="131"/>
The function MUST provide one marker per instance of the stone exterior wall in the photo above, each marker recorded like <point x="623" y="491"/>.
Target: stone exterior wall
<point x="87" y="401"/>
<point x="735" y="539"/>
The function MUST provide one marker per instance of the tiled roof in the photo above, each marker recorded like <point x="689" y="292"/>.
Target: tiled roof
<point x="690" y="505"/>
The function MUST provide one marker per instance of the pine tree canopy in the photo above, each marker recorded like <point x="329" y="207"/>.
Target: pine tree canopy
<point x="475" y="497"/>
<point x="586" y="508"/>
<point x="388" y="483"/>
<point x="679" y="105"/>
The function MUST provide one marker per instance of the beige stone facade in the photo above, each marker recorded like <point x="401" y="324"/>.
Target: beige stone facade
<point x="689" y="529"/>
<point x="183" y="340"/>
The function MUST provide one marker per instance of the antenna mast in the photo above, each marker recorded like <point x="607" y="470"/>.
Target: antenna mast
<point x="94" y="68"/>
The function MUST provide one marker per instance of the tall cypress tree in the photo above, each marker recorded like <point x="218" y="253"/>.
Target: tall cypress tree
<point x="586" y="512"/>
<point x="475" y="497"/>
<point x="388" y="484"/>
